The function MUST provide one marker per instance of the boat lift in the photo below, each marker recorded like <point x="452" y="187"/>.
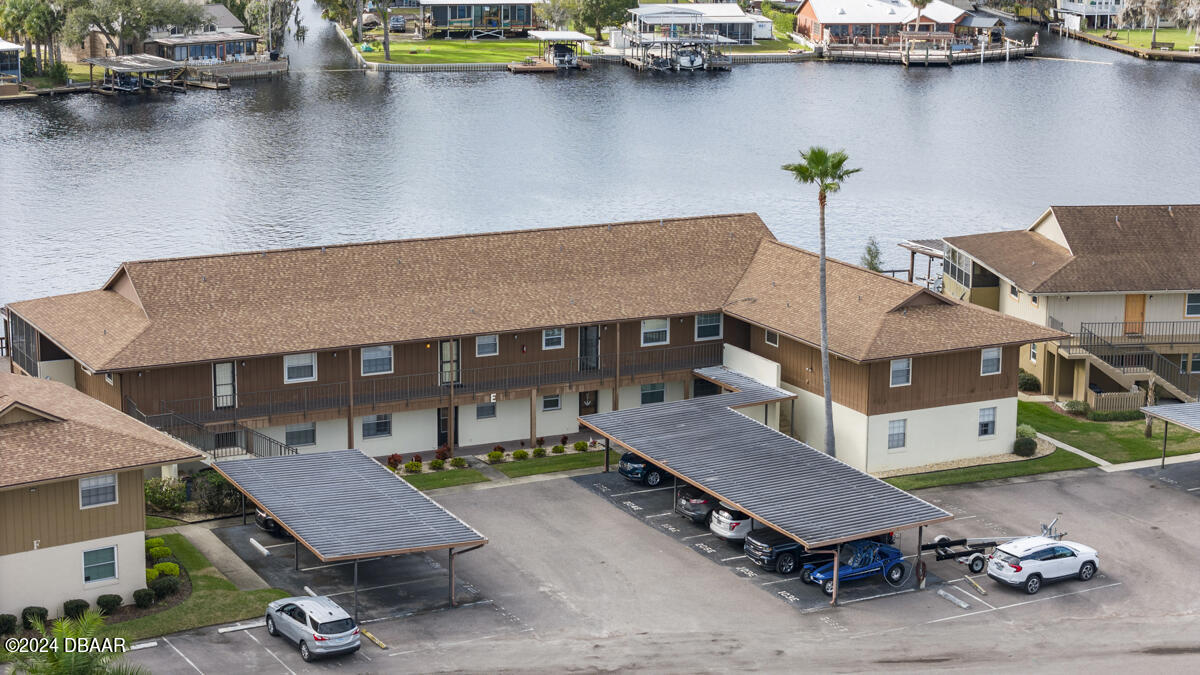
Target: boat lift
<point x="973" y="551"/>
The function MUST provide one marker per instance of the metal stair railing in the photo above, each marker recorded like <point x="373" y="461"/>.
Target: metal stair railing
<point x="225" y="440"/>
<point x="1131" y="360"/>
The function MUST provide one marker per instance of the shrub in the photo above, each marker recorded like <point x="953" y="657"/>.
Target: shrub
<point x="164" y="586"/>
<point x="498" y="448"/>
<point x="594" y="443"/>
<point x="151" y="575"/>
<point x="143" y="597"/>
<point x="580" y="446"/>
<point x="1025" y="447"/>
<point x="539" y="452"/>
<point x="394" y="461"/>
<point x="108" y="603"/>
<point x="167" y="569"/>
<point x="1115" y="415"/>
<point x="165" y="494"/>
<point x="159" y="552"/>
<point x="443" y="453"/>
<point x="1076" y="407"/>
<point x="8" y="624"/>
<point x="1028" y="382"/>
<point x="495" y="456"/>
<point x="458" y="462"/>
<point x="541" y="441"/>
<point x="437" y="464"/>
<point x="563" y="441"/>
<point x="73" y="609"/>
<point x="1026" y="431"/>
<point x="417" y="458"/>
<point x="215" y="494"/>
<point x="28" y="66"/>
<point x="154" y="542"/>
<point x="520" y="454"/>
<point x="558" y="449"/>
<point x="30" y="613"/>
<point x="58" y="72"/>
<point x="412" y="467"/>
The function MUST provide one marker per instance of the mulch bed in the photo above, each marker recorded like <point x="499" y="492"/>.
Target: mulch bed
<point x="132" y="611"/>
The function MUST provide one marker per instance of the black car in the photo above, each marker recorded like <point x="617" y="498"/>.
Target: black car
<point x="267" y="523"/>
<point x="695" y="504"/>
<point x="777" y="552"/>
<point x="637" y="469"/>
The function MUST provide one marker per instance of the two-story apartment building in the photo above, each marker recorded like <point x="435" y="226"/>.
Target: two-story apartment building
<point x="72" y="512"/>
<point x="491" y="338"/>
<point x="1117" y="278"/>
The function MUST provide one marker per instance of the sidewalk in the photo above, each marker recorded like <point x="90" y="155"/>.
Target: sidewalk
<point x="226" y="561"/>
<point x="1104" y="464"/>
<point x="1151" y="463"/>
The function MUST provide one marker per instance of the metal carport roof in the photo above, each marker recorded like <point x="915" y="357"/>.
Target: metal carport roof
<point x="343" y="505"/>
<point x="781" y="482"/>
<point x="1186" y="415"/>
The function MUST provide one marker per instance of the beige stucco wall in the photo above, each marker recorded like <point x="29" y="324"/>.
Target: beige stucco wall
<point x="48" y="577"/>
<point x="849" y="426"/>
<point x="331" y="435"/>
<point x="940" y="434"/>
<point x="1022" y="308"/>
<point x="62" y="370"/>
<point x="510" y="423"/>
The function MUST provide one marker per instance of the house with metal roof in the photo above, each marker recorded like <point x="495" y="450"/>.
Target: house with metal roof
<point x="72" y="511"/>
<point x="1112" y="278"/>
<point x="873" y="21"/>
<point x="405" y="346"/>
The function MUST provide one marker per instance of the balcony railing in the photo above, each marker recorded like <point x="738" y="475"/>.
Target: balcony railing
<point x="1165" y="333"/>
<point x="1128" y="353"/>
<point x="380" y="390"/>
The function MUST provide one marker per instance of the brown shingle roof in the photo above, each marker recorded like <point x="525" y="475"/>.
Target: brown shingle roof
<point x="1112" y="249"/>
<point x="871" y="316"/>
<point x="226" y="306"/>
<point x="90" y="438"/>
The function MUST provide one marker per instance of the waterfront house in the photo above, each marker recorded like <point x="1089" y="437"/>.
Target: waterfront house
<point x="476" y="18"/>
<point x="10" y="66"/>
<point x="403" y="346"/>
<point x="1116" y="278"/>
<point x="222" y="38"/>
<point x="72" y="512"/>
<point x="1085" y="14"/>
<point x="725" y="19"/>
<point x="873" y="21"/>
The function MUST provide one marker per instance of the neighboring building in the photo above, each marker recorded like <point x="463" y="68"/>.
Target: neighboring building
<point x="1088" y="14"/>
<point x="476" y="18"/>
<point x="10" y="63"/>
<point x="1117" y="278"/>
<point x="872" y="21"/>
<point x="478" y="339"/>
<point x="222" y="37"/>
<point x="721" y="18"/>
<point x="72" y="512"/>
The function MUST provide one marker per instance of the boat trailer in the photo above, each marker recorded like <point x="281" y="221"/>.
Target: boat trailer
<point x="973" y="551"/>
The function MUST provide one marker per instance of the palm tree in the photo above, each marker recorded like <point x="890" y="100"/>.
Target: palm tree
<point x="920" y="5"/>
<point x="827" y="170"/>
<point x="90" y="625"/>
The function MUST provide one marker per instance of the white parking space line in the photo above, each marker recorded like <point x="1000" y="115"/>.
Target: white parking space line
<point x="976" y="597"/>
<point x="285" y="666"/>
<point x="875" y="597"/>
<point x="1019" y="604"/>
<point x="697" y="536"/>
<point x="660" y="515"/>
<point x="736" y="557"/>
<point x="275" y="545"/>
<point x="772" y="583"/>
<point x="375" y="588"/>
<point x="189" y="661"/>
<point x="1193" y="489"/>
<point x="443" y="646"/>
<point x="969" y="576"/>
<point x="638" y="492"/>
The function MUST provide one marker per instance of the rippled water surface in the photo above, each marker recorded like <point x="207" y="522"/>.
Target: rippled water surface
<point x="327" y="155"/>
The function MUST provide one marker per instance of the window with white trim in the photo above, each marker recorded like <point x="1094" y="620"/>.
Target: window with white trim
<point x="1033" y="352"/>
<point x="708" y="326"/>
<point x="552" y="338"/>
<point x="1012" y="291"/>
<point x="1196" y="362"/>
<point x="1033" y="300"/>
<point x="1191" y="306"/>
<point x="656" y="332"/>
<point x="485" y="411"/>
<point x="551" y="402"/>
<point x="771" y="338"/>
<point x="299" y="368"/>
<point x="377" y="426"/>
<point x="300" y="434"/>
<point x="989" y="363"/>
<point x="654" y="393"/>
<point x="98" y="491"/>
<point x="100" y="564"/>
<point x="987" y="422"/>
<point x="487" y="345"/>
<point x="377" y="360"/>
<point x="897" y="434"/>
<point x="901" y="372"/>
<point x="108" y="379"/>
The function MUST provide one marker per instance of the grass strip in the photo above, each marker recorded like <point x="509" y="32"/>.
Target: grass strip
<point x="1059" y="460"/>
<point x="445" y="478"/>
<point x="552" y="463"/>
<point x="1113" y="441"/>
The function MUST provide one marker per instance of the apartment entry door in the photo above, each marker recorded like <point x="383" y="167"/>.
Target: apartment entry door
<point x="443" y="434"/>
<point x="589" y="402"/>
<point x="1135" y="313"/>
<point x="224" y="385"/>
<point x="589" y="348"/>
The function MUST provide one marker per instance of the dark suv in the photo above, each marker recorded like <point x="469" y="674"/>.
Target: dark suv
<point x="778" y="552"/>
<point x="637" y="469"/>
<point x="695" y="504"/>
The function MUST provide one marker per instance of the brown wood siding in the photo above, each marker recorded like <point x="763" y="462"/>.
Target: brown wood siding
<point x="96" y="387"/>
<point x="51" y="514"/>
<point x="800" y="366"/>
<point x="148" y="389"/>
<point x="942" y="379"/>
<point x="736" y="333"/>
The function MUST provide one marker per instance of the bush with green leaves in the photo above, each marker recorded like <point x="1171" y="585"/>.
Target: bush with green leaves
<point x="495" y="457"/>
<point x="539" y="452"/>
<point x="1028" y="382"/>
<point x="151" y="575"/>
<point x="1024" y="447"/>
<point x="1026" y="431"/>
<point x="1076" y="407"/>
<point x="165" y="494"/>
<point x="437" y="464"/>
<point x="108" y="603"/>
<point x="215" y="494"/>
<point x="154" y="542"/>
<point x="580" y="446"/>
<point x="159" y="552"/>
<point x="164" y="586"/>
<point x="458" y="462"/>
<point x="558" y="449"/>
<point x="8" y="624"/>
<point x="168" y="569"/>
<point x="73" y="609"/>
<point x="520" y="455"/>
<point x="1115" y="415"/>
<point x="143" y="597"/>
<point x="412" y="467"/>
<point x="30" y="613"/>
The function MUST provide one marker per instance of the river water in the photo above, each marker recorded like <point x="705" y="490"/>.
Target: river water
<point x="329" y="155"/>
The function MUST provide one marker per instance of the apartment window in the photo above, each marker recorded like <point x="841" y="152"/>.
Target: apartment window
<point x="771" y="338"/>
<point x="1033" y="352"/>
<point x="897" y="434"/>
<point x="1033" y="300"/>
<point x="987" y="422"/>
<point x="108" y="379"/>
<point x="901" y="372"/>
<point x="100" y="564"/>
<point x="990" y="362"/>
<point x="300" y="368"/>
<point x="488" y="345"/>
<point x="552" y="402"/>
<point x="377" y="426"/>
<point x="377" y="360"/>
<point x="1192" y="307"/>
<point x="485" y="411"/>
<point x="656" y="332"/>
<point x="1196" y="362"/>
<point x="97" y="491"/>
<point x="300" y="434"/>
<point x="708" y="326"/>
<point x="654" y="393"/>
<point x="1013" y="292"/>
<point x="552" y="338"/>
<point x="958" y="267"/>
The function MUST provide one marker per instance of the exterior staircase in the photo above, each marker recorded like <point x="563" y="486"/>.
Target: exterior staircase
<point x="219" y="442"/>
<point x="1129" y="359"/>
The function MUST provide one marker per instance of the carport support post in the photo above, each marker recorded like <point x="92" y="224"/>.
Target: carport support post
<point x="606" y="451"/>
<point x="452" y="602"/>
<point x="355" y="591"/>
<point x="297" y="556"/>
<point x="837" y="560"/>
<point x="1166" y="425"/>
<point x="243" y="508"/>
<point x="920" y="574"/>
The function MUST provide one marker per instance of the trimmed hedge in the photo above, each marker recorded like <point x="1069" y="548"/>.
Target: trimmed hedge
<point x="1115" y="415"/>
<point x="30" y="613"/>
<point x="437" y="464"/>
<point x="160" y="552"/>
<point x="167" y="569"/>
<point x="580" y="446"/>
<point x="412" y="467"/>
<point x="558" y="449"/>
<point x="1028" y="382"/>
<point x="73" y="609"/>
<point x="458" y="462"/>
<point x="1026" y="431"/>
<point x="164" y="586"/>
<point x="539" y="452"/>
<point x="1025" y="447"/>
<point x="108" y="603"/>
<point x="495" y="457"/>
<point x="143" y="597"/>
<point x="151" y="575"/>
<point x="8" y="624"/>
<point x="154" y="542"/>
<point x="1076" y="407"/>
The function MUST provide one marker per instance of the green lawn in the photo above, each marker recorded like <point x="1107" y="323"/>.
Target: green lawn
<point x="1141" y="38"/>
<point x="763" y="46"/>
<point x="551" y="463"/>
<point x="213" y="600"/>
<point x="453" y="51"/>
<point x="1114" y="441"/>
<point x="446" y="478"/>
<point x="1059" y="460"/>
<point x="155" y="523"/>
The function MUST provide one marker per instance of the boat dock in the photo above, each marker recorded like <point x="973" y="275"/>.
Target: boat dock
<point x="537" y="64"/>
<point x="1010" y="50"/>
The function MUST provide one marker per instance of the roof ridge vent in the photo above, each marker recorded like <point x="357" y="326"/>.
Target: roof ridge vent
<point x="1118" y="219"/>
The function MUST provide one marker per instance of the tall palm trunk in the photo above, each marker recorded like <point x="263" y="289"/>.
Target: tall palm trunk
<point x="387" y="31"/>
<point x="825" y="339"/>
<point x="358" y="19"/>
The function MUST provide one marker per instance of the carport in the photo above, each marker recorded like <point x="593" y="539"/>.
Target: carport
<point x="782" y="483"/>
<point x="1186" y="415"/>
<point x="345" y="507"/>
